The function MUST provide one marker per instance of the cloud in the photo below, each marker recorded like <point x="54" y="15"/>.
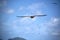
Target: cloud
<point x="9" y="11"/>
<point x="50" y="27"/>
<point x="28" y="30"/>
<point x="21" y="8"/>
<point x="33" y="30"/>
<point x="27" y="20"/>
<point x="34" y="8"/>
<point x="27" y="25"/>
<point x="23" y="25"/>
<point x="53" y="22"/>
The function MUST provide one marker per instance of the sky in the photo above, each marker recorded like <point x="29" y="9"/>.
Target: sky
<point x="38" y="28"/>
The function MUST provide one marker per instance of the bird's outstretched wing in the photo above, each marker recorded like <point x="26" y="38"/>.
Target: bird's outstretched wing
<point x="40" y="15"/>
<point x="32" y="16"/>
<point x="23" y="16"/>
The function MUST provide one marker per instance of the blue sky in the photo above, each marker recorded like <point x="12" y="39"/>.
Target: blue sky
<point x="38" y="28"/>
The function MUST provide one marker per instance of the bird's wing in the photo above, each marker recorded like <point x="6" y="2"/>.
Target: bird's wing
<point x="23" y="16"/>
<point x="30" y="16"/>
<point x="40" y="15"/>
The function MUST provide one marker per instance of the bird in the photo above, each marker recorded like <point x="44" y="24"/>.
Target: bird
<point x="32" y="16"/>
<point x="54" y="3"/>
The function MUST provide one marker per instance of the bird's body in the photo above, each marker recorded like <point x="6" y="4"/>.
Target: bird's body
<point x="32" y="16"/>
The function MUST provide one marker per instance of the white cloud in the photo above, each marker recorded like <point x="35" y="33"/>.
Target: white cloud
<point x="47" y="28"/>
<point x="33" y="9"/>
<point x="35" y="6"/>
<point x="54" y="22"/>
<point x="28" y="30"/>
<point x="21" y="8"/>
<point x="10" y="11"/>
<point x="50" y="27"/>
<point x="27" y="20"/>
<point x="37" y="12"/>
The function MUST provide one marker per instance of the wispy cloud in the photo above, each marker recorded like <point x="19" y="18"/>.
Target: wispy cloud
<point x="21" y="8"/>
<point x="47" y="28"/>
<point x="53" y="22"/>
<point x="9" y="11"/>
<point x="50" y="27"/>
<point x="34" y="8"/>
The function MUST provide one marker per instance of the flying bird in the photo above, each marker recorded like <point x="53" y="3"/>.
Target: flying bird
<point x="32" y="16"/>
<point x="54" y="3"/>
